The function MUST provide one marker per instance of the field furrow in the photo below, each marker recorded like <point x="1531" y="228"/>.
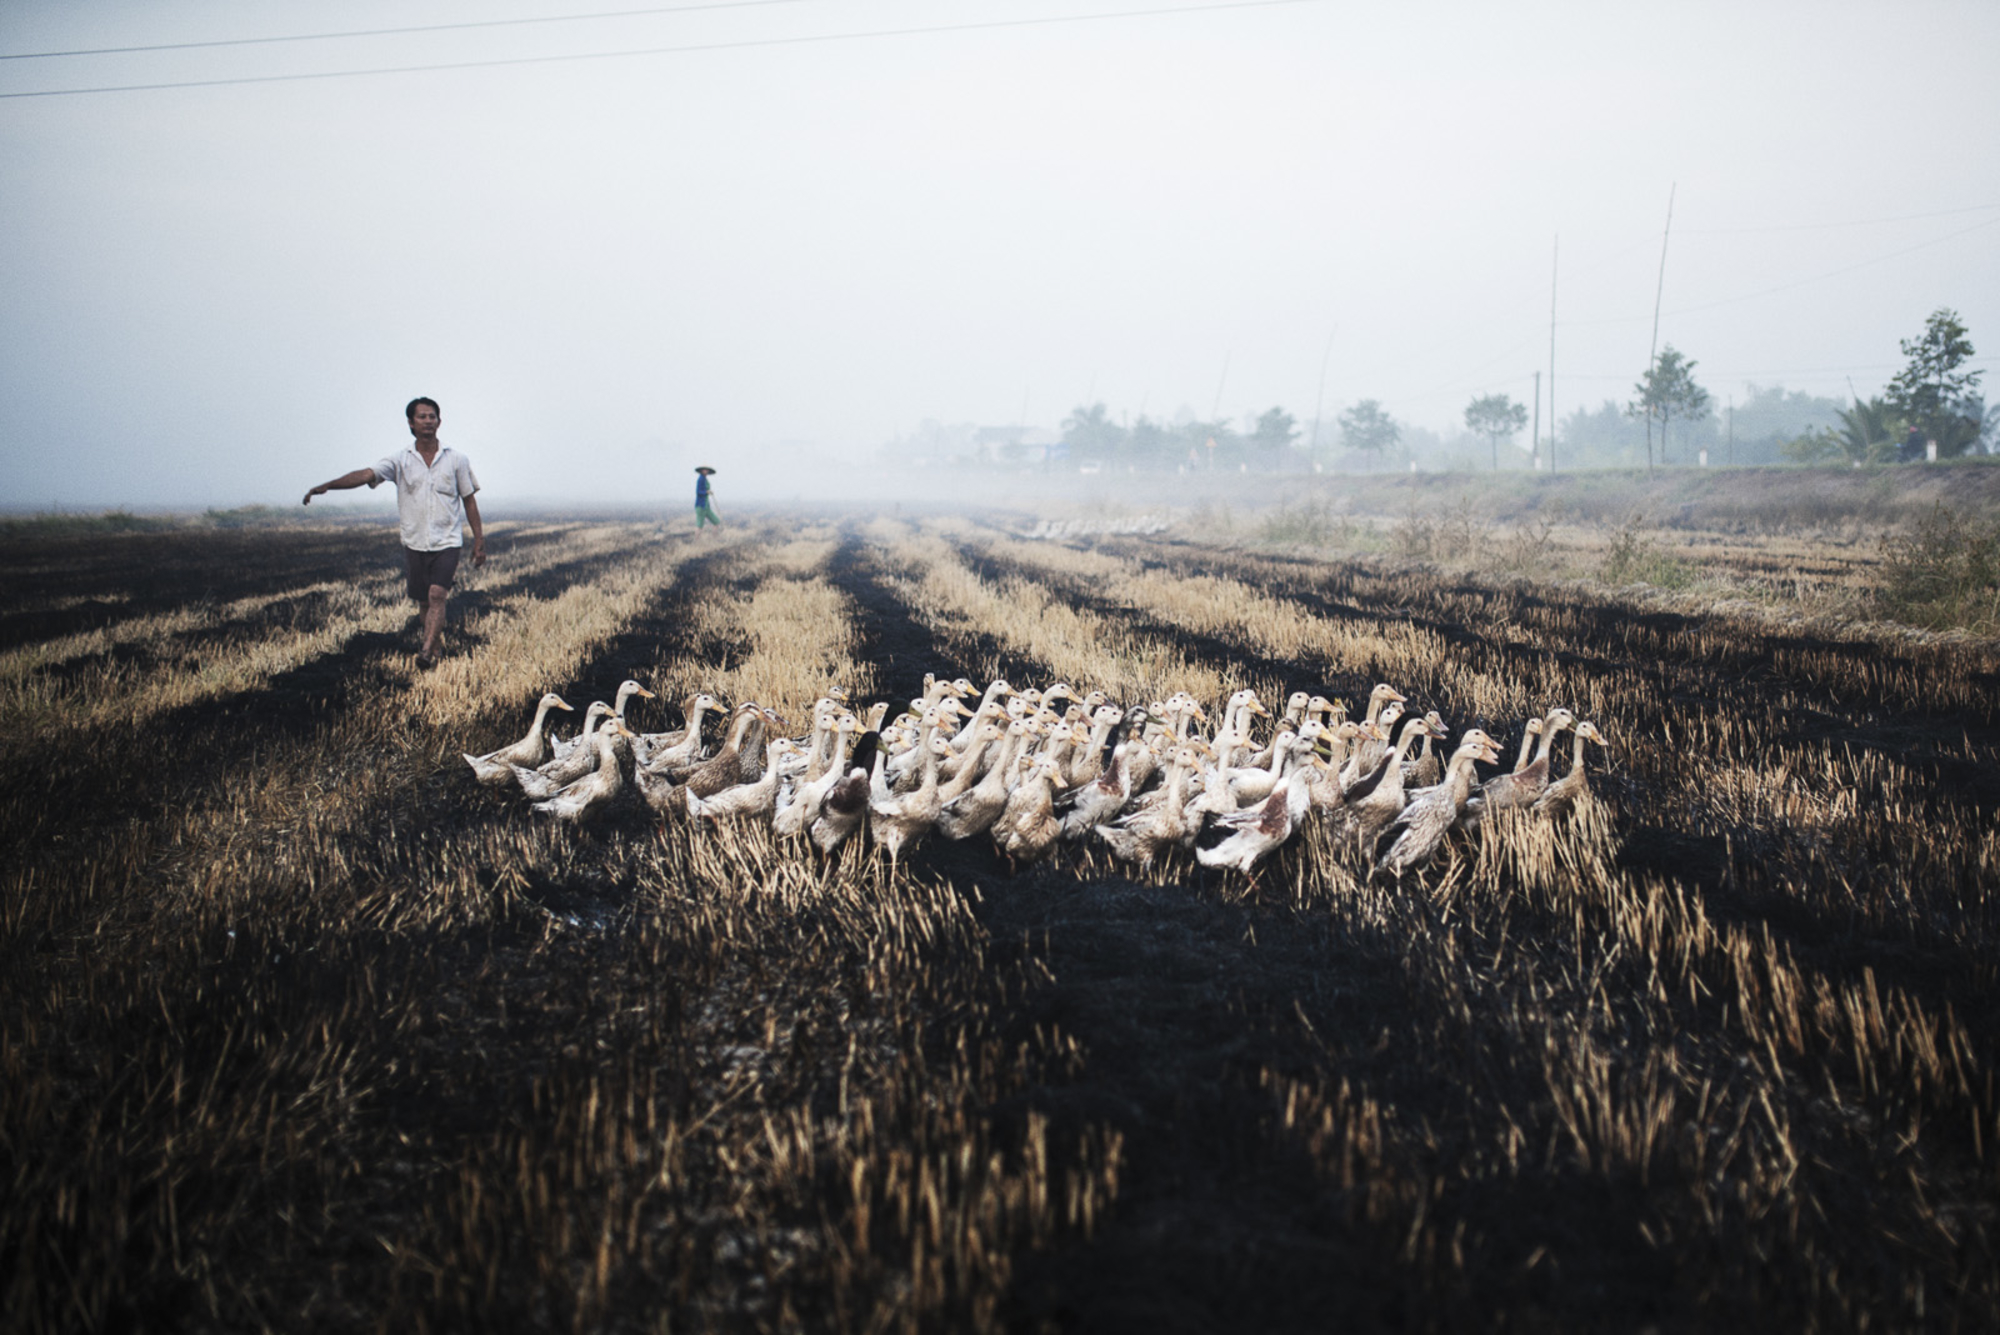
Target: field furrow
<point x="1074" y="645"/>
<point x="786" y="1069"/>
<point x="306" y="1029"/>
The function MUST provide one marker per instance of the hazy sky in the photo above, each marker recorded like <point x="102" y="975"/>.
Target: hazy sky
<point x="605" y="268"/>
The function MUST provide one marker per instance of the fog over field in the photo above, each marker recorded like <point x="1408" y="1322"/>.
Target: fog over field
<point x="778" y="236"/>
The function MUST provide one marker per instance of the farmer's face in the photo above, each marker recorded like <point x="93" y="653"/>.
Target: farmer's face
<point x="424" y="421"/>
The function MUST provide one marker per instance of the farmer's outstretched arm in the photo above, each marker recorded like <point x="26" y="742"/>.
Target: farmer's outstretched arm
<point x="360" y="477"/>
<point x="478" y="532"/>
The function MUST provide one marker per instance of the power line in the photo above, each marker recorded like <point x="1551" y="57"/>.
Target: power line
<point x="1786" y="287"/>
<point x="1851" y="222"/>
<point x="982" y="26"/>
<point x="1879" y="259"/>
<point x="1823" y="371"/>
<point x="393" y="32"/>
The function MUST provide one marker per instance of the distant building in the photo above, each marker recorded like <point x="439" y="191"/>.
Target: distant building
<point x="958" y="445"/>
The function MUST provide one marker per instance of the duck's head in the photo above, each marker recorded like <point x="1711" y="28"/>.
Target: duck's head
<point x="1477" y="745"/>
<point x="1385" y="694"/>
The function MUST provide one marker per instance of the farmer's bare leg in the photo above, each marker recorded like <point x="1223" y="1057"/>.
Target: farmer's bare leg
<point x="434" y="618"/>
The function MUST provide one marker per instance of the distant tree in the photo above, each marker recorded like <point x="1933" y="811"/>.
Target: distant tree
<point x="1867" y="434"/>
<point x="1868" y="431"/>
<point x="1818" y="446"/>
<point x="1606" y="435"/>
<point x="1366" y="427"/>
<point x="1770" y="417"/>
<point x="1937" y="397"/>
<point x="1091" y="434"/>
<point x="1152" y="446"/>
<point x="1497" y="418"/>
<point x="1667" y="391"/>
<point x="1276" y="430"/>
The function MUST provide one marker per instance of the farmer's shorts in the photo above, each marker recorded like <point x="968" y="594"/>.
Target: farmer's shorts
<point x="428" y="568"/>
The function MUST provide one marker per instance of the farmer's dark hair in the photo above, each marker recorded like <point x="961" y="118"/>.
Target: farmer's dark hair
<point x="410" y="413"/>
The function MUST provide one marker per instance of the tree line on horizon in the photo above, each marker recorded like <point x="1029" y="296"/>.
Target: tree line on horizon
<point x="1670" y="420"/>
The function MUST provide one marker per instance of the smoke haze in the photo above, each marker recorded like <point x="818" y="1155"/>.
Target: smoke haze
<point x="776" y="258"/>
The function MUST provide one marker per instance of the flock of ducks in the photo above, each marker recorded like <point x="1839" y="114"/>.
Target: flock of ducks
<point x="1031" y="768"/>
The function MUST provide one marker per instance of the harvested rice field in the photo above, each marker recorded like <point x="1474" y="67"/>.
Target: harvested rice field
<point x="304" y="1028"/>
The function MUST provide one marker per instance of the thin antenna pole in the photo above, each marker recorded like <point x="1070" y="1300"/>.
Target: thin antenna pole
<point x="1215" y="411"/>
<point x="1319" y="402"/>
<point x="1555" y="257"/>
<point x="1536" y="434"/>
<point x="1653" y="352"/>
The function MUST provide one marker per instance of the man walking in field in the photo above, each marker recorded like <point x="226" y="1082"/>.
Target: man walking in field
<point x="704" y="513"/>
<point x="434" y="487"/>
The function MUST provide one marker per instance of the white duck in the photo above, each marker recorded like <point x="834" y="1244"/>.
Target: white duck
<point x="495" y="768"/>
<point x="747" y="799"/>
<point x="590" y="796"/>
<point x="561" y="771"/>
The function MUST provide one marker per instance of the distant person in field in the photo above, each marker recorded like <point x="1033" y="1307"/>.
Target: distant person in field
<point x="434" y="487"/>
<point x="704" y="513"/>
<point x="1913" y="447"/>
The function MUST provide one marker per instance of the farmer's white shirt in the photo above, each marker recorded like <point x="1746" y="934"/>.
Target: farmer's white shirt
<point x="430" y="498"/>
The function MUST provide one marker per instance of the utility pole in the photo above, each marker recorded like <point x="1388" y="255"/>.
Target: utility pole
<point x="1653" y="352"/>
<point x="1215" y="411"/>
<point x="1555" y="257"/>
<point x="1320" y="401"/>
<point x="1730" y="416"/>
<point x="1536" y="434"/>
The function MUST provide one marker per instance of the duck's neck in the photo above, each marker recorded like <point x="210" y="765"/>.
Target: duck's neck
<point x="1458" y="777"/>
<point x="694" y="718"/>
<point x="768" y="780"/>
<point x="968" y="767"/>
<point x="1548" y="742"/>
<point x="842" y="746"/>
<point x="928" y="788"/>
